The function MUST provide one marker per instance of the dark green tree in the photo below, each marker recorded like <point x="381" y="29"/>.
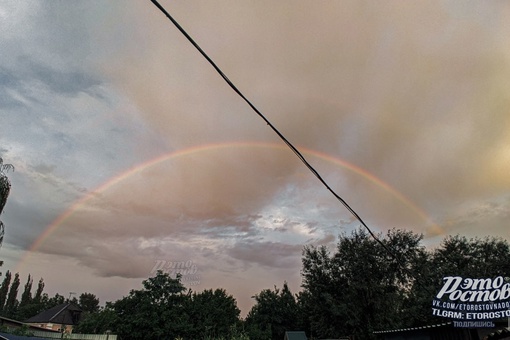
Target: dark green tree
<point x="155" y="312"/>
<point x="99" y="322"/>
<point x="39" y="291"/>
<point x="11" y="305"/>
<point x="475" y="257"/>
<point x="88" y="302"/>
<point x="321" y="294"/>
<point x="36" y="304"/>
<point x="56" y="300"/>
<point x="212" y="313"/>
<point x="363" y="286"/>
<point x="289" y="311"/>
<point x="4" y="290"/>
<point x="455" y="256"/>
<point x="26" y="297"/>
<point x="26" y="305"/>
<point x="274" y="313"/>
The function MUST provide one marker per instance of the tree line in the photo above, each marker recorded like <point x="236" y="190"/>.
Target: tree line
<point x="354" y="290"/>
<point x="32" y="304"/>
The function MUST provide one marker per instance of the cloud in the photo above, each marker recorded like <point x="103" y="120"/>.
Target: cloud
<point x="271" y="254"/>
<point x="418" y="107"/>
<point x="61" y="82"/>
<point x="155" y="214"/>
<point x="490" y="216"/>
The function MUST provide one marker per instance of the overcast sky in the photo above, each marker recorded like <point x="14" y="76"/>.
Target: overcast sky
<point x="131" y="152"/>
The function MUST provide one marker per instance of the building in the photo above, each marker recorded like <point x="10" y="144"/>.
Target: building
<point x="59" y="318"/>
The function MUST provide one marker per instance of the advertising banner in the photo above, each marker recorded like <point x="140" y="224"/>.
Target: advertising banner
<point x="473" y="302"/>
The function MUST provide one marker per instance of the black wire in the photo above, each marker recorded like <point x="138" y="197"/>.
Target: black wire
<point x="282" y="137"/>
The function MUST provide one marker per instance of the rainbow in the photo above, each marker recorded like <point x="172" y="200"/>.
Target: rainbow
<point x="58" y="222"/>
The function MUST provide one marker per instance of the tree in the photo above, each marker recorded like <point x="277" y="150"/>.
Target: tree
<point x="275" y="312"/>
<point x="25" y="307"/>
<point x="11" y="304"/>
<point x="39" y="291"/>
<point x="475" y="257"/>
<point x="368" y="285"/>
<point x="36" y="304"/>
<point x="56" y="300"/>
<point x="155" y="312"/>
<point x="456" y="256"/>
<point x="363" y="286"/>
<point x="26" y="297"/>
<point x="4" y="289"/>
<point x="88" y="302"/>
<point x="203" y="310"/>
<point x="105" y="319"/>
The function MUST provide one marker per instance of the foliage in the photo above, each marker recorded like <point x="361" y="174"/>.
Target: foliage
<point x="11" y="304"/>
<point x="98" y="322"/>
<point x="275" y="312"/>
<point x="360" y="288"/>
<point x="56" y="300"/>
<point x="155" y="312"/>
<point x="473" y="257"/>
<point x="456" y="256"/>
<point x="26" y="297"/>
<point x="88" y="302"/>
<point x="36" y="304"/>
<point x="164" y="310"/>
<point x="40" y="302"/>
<point x="39" y="291"/>
<point x="366" y="285"/>
<point x="22" y="331"/>
<point x="212" y="313"/>
<point x="4" y="289"/>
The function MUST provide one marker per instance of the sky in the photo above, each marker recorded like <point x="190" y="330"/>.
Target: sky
<point x="131" y="154"/>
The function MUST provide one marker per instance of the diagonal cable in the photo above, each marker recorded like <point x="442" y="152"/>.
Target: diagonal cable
<point x="282" y="137"/>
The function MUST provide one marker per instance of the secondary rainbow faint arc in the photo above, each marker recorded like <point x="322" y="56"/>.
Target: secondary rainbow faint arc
<point x="208" y="147"/>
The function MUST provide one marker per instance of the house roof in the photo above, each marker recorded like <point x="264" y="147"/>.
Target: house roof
<point x="65" y="314"/>
<point x="11" y="322"/>
<point x="295" y="336"/>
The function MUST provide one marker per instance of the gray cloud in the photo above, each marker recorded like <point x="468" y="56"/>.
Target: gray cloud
<point x="481" y="219"/>
<point x="271" y="254"/>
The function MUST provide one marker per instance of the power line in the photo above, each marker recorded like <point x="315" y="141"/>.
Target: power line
<point x="282" y="137"/>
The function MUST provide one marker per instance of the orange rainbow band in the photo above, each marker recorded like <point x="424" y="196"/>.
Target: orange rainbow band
<point x="204" y="148"/>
